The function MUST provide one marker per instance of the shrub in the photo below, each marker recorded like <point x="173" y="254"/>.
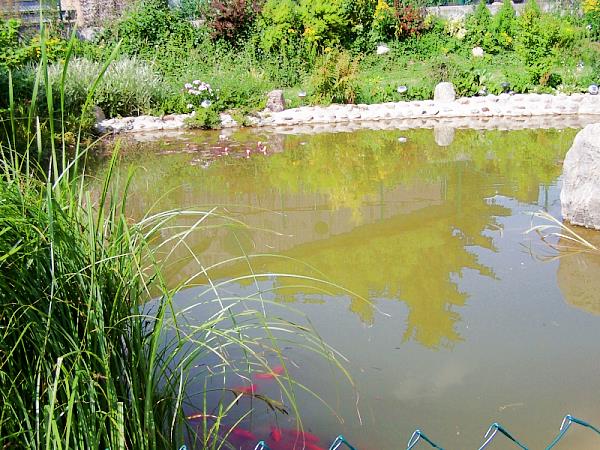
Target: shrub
<point x="281" y="25"/>
<point x="335" y="78"/>
<point x="16" y="50"/>
<point x="151" y="25"/>
<point x="479" y="26"/>
<point x="193" y="9"/>
<point x="504" y="24"/>
<point x="409" y="21"/>
<point x="360" y="16"/>
<point x="541" y="37"/>
<point x="12" y="54"/>
<point x="383" y="28"/>
<point x="231" y="19"/>
<point x="325" y="22"/>
<point x="243" y="89"/>
<point x="204" y="119"/>
<point x="591" y="17"/>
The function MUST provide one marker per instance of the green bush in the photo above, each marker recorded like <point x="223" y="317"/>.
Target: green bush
<point x="204" y="119"/>
<point x="504" y="25"/>
<point x="281" y="25"/>
<point x="383" y="28"/>
<point x="12" y="53"/>
<point x="193" y="9"/>
<point x="360" y="16"/>
<point x="335" y="78"/>
<point x="16" y="50"/>
<point x="479" y="28"/>
<point x="150" y="27"/>
<point x="540" y="39"/>
<point x="325" y="22"/>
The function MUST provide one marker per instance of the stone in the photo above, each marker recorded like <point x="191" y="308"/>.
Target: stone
<point x="443" y="135"/>
<point x="275" y="101"/>
<point x="227" y="121"/>
<point x="382" y="49"/>
<point x="444" y="92"/>
<point x="477" y="52"/>
<point x="580" y="195"/>
<point x="98" y="114"/>
<point x="89" y="33"/>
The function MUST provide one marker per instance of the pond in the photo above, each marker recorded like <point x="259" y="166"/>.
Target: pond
<point x="450" y="315"/>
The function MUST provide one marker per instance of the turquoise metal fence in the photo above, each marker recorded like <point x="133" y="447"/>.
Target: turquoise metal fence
<point x="493" y="431"/>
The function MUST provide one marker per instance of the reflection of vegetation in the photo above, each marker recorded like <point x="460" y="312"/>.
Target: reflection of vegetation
<point x="347" y="167"/>
<point x="578" y="250"/>
<point x="431" y="204"/>
<point x="412" y="257"/>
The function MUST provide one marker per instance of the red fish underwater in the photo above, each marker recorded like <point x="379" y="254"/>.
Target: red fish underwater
<point x="305" y="436"/>
<point x="275" y="434"/>
<point x="243" y="434"/>
<point x="247" y="390"/>
<point x="275" y="372"/>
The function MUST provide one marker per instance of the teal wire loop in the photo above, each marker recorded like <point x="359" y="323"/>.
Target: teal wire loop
<point x="416" y="437"/>
<point x="493" y="431"/>
<point x="564" y="427"/>
<point x="339" y="441"/>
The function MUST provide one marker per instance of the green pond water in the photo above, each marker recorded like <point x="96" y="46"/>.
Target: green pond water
<point x="451" y="317"/>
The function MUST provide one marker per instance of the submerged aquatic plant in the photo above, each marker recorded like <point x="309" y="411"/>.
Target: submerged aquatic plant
<point x="93" y="351"/>
<point x="569" y="241"/>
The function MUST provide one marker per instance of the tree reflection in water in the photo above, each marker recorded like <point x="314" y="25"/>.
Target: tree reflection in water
<point x="386" y="220"/>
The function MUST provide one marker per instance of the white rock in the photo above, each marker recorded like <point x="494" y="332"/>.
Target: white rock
<point x="382" y="49"/>
<point x="477" y="52"/>
<point x="580" y="196"/>
<point x="444" y="92"/>
<point x="275" y="101"/>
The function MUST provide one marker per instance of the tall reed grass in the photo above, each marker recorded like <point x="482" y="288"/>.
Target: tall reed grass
<point x="94" y="353"/>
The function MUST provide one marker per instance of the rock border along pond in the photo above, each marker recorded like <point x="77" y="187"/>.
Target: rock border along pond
<point x="505" y="107"/>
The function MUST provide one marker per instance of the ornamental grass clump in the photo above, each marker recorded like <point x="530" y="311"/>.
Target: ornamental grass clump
<point x="129" y="87"/>
<point x="94" y="352"/>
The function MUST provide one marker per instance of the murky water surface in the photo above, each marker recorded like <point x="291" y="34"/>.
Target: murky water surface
<point x="450" y="316"/>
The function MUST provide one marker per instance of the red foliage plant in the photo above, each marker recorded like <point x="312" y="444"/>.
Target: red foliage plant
<point x="410" y="20"/>
<point x="231" y="18"/>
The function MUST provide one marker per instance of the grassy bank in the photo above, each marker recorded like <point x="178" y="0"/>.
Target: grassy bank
<point x="94" y="352"/>
<point x="324" y="48"/>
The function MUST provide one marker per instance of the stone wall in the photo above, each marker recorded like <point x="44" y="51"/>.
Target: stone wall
<point x="97" y="12"/>
<point x="461" y="11"/>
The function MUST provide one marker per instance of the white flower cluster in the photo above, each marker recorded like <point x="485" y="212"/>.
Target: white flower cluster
<point x="456" y="28"/>
<point x="199" y="88"/>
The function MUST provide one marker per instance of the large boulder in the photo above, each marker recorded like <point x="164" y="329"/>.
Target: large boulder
<point x="444" y="92"/>
<point x="275" y="101"/>
<point x="580" y="196"/>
